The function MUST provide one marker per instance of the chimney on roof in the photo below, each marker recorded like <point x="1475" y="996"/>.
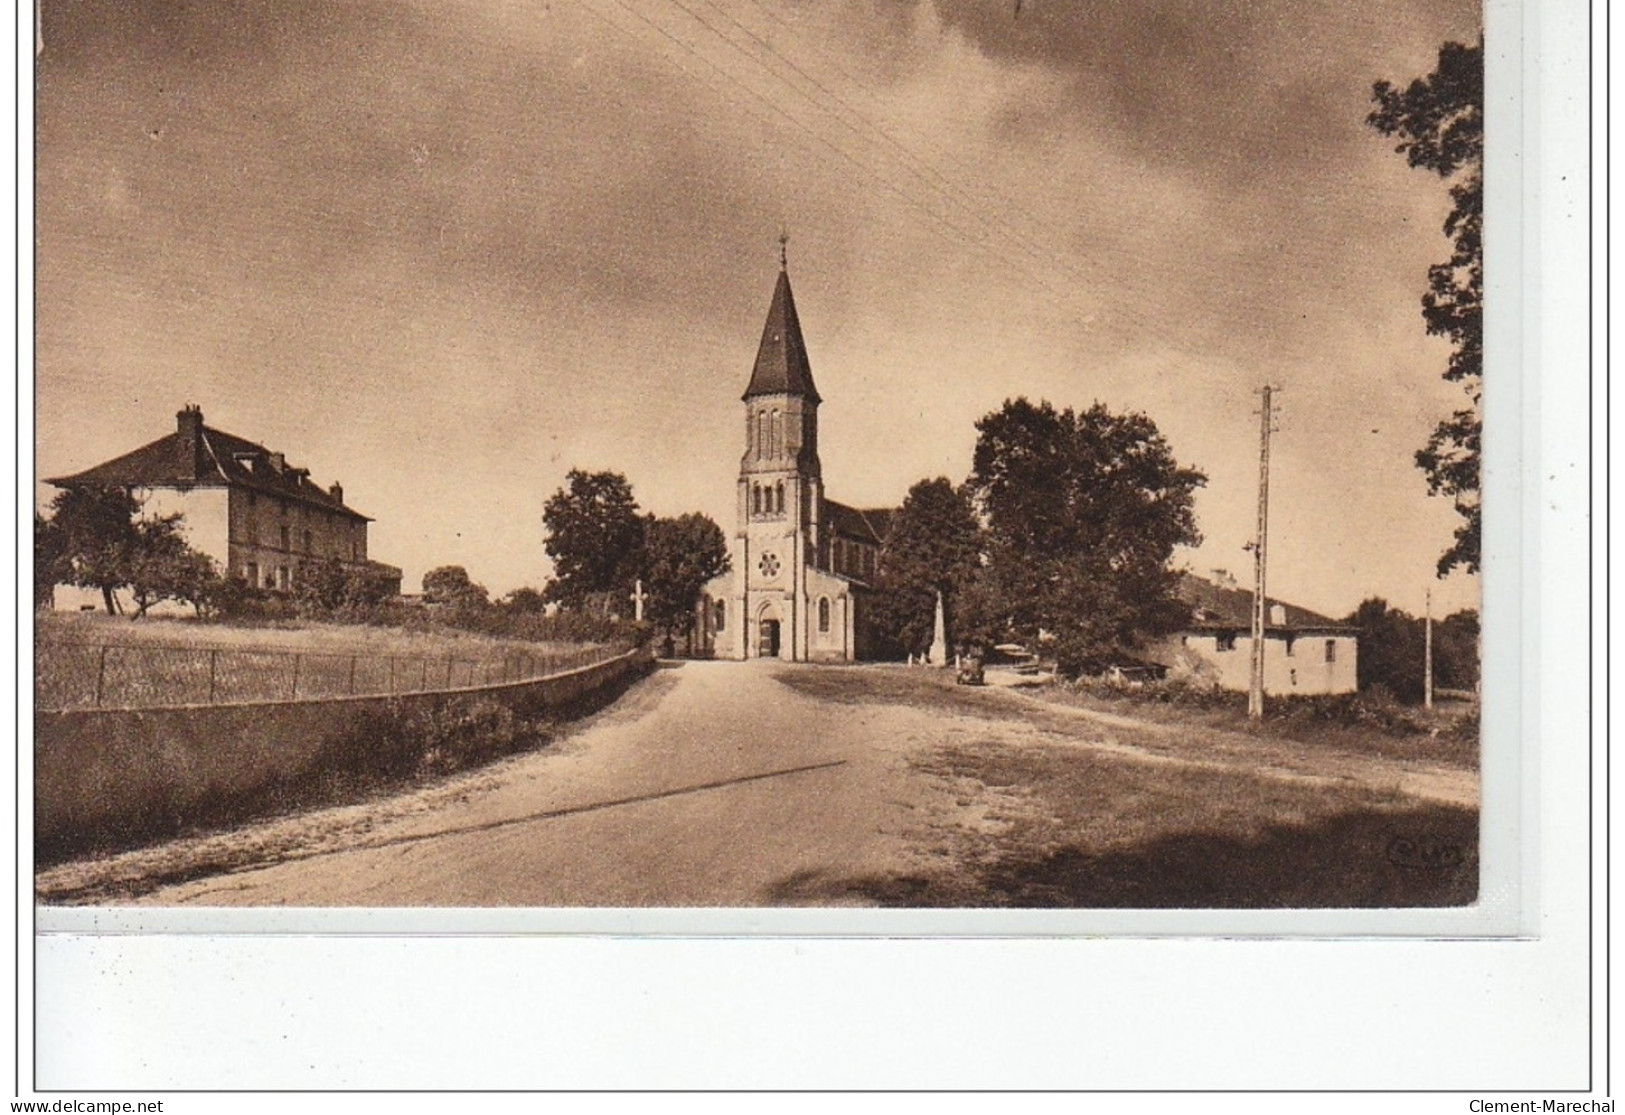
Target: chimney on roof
<point x="189" y="442"/>
<point x="337" y="492"/>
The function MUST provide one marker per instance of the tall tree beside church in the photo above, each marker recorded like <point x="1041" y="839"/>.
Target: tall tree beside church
<point x="1439" y="123"/>
<point x="679" y="556"/>
<point x="934" y="545"/>
<point x="1084" y="511"/>
<point x="594" y="536"/>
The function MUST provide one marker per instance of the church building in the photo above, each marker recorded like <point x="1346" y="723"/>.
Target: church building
<point x="802" y="564"/>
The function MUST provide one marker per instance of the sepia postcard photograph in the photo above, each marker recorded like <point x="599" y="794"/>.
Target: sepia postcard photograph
<point x="949" y="455"/>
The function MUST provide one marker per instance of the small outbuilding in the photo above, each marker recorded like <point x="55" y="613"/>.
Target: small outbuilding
<point x="1305" y="653"/>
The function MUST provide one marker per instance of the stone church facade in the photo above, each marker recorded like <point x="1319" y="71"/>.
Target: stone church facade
<point x="802" y="564"/>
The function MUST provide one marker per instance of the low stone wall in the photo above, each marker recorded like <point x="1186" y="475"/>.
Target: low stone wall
<point x="109" y="771"/>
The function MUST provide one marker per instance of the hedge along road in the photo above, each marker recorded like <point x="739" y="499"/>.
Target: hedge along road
<point x="741" y="784"/>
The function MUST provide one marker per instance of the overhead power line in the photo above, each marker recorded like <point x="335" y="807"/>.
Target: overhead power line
<point x="964" y="236"/>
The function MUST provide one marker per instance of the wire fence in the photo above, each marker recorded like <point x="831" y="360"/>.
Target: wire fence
<point x="72" y="675"/>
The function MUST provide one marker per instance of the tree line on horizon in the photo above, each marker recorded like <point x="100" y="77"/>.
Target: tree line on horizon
<point x="1061" y="538"/>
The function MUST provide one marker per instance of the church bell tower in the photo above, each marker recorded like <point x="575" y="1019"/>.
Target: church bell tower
<point x="780" y="485"/>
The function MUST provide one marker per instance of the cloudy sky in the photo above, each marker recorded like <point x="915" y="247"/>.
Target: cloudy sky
<point x="445" y="251"/>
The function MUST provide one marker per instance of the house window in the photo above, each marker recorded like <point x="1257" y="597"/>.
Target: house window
<point x="761" y="434"/>
<point x="251" y="573"/>
<point x="823" y="613"/>
<point x="755" y="499"/>
<point x="1224" y="640"/>
<point x="283" y="534"/>
<point x="308" y="541"/>
<point x="282" y="580"/>
<point x="778" y="498"/>
<point x="1289" y="641"/>
<point x="1331" y="650"/>
<point x="778" y="434"/>
<point x="721" y="615"/>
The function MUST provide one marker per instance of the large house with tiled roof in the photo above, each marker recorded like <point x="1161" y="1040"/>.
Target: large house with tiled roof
<point x="260" y="518"/>
<point x="802" y="564"/>
<point x="1304" y="652"/>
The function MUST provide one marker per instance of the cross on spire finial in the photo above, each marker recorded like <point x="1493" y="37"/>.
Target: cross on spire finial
<point x="784" y="241"/>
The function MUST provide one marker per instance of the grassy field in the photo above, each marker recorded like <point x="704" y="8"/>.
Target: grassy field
<point x="1058" y="805"/>
<point x="1445" y="734"/>
<point x="88" y="660"/>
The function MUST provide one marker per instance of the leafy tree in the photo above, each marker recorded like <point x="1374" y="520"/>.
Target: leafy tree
<point x="1456" y="651"/>
<point x="1391" y="649"/>
<point x="331" y="585"/>
<point x="525" y="600"/>
<point x="50" y="560"/>
<point x="322" y="586"/>
<point x="95" y="530"/>
<point x="1439" y="122"/>
<point x="934" y="545"/>
<point x="1083" y="511"/>
<point x="679" y="556"/>
<point x="163" y="567"/>
<point x="594" y="536"/>
<point x="450" y="585"/>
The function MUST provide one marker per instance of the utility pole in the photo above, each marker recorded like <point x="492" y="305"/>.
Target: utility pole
<point x="1427" y="654"/>
<point x="1255" y="692"/>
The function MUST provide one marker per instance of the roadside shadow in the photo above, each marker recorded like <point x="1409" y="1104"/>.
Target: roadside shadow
<point x="1419" y="857"/>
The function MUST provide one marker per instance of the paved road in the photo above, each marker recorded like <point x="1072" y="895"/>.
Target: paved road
<point x="654" y="804"/>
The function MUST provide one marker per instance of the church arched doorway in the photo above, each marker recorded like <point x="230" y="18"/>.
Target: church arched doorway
<point x="768" y="638"/>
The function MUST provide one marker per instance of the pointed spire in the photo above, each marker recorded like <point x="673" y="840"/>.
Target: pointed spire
<point x="782" y="367"/>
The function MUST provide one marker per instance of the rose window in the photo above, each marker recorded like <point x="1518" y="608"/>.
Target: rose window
<point x="769" y="565"/>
